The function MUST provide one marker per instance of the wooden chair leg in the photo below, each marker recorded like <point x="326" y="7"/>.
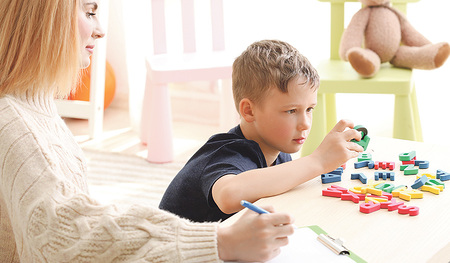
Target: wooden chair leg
<point x="319" y="127"/>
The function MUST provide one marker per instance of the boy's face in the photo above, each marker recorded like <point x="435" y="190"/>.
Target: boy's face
<point x="283" y="120"/>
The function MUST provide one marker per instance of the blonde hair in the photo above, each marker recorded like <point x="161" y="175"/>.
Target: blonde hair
<point x="266" y="64"/>
<point x="39" y="46"/>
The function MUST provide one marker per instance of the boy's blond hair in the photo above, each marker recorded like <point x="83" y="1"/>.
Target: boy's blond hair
<point x="266" y="64"/>
<point x="39" y="46"/>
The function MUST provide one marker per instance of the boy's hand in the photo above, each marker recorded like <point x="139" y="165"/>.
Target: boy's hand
<point x="255" y="237"/>
<point x="337" y="148"/>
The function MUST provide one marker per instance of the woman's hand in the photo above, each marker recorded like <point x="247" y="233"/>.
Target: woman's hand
<point x="255" y="237"/>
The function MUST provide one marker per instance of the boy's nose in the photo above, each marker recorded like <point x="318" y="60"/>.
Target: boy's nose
<point x="304" y="123"/>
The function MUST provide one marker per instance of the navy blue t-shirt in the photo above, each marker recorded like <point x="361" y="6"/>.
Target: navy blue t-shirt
<point x="189" y="195"/>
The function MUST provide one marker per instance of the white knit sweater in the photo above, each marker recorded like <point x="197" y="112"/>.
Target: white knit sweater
<point x="46" y="214"/>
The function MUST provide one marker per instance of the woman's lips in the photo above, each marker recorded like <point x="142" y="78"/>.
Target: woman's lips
<point x="90" y="49"/>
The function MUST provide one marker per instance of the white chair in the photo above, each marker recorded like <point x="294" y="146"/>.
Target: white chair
<point x="191" y="65"/>
<point x="91" y="110"/>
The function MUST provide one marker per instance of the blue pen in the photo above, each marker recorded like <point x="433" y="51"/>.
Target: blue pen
<point x="257" y="209"/>
<point x="253" y="207"/>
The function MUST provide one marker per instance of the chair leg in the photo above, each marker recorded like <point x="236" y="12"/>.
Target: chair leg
<point x="330" y="103"/>
<point x="319" y="127"/>
<point x="417" y="123"/>
<point x="145" y="112"/>
<point x="404" y="127"/>
<point x="158" y="126"/>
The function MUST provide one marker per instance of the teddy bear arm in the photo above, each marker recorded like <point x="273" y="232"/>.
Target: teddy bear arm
<point x="353" y="35"/>
<point x="410" y="36"/>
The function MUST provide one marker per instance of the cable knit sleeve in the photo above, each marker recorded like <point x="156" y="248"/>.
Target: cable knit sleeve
<point x="77" y="229"/>
<point x="43" y="190"/>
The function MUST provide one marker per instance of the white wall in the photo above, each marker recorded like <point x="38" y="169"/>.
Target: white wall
<point x="303" y="23"/>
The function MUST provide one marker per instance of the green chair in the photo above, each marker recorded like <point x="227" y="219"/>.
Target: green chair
<point x="338" y="76"/>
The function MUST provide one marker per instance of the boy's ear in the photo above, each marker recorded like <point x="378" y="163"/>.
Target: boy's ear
<point x="246" y="109"/>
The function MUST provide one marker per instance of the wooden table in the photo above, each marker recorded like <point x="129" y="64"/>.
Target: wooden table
<point x="381" y="236"/>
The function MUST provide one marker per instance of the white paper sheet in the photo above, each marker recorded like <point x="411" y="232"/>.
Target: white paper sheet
<point x="304" y="247"/>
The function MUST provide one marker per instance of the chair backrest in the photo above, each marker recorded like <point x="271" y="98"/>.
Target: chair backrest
<point x="337" y="21"/>
<point x="188" y="25"/>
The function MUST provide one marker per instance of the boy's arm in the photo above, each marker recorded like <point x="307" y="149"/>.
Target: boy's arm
<point x="252" y="185"/>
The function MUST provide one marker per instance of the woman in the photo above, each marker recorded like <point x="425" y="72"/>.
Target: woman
<point x="46" y="213"/>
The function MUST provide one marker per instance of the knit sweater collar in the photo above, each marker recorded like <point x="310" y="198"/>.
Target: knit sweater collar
<point x="41" y="103"/>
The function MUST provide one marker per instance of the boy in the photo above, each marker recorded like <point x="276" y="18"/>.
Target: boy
<point x="275" y="91"/>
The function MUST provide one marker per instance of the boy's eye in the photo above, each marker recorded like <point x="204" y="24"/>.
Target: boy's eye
<point x="90" y="14"/>
<point x="291" y="111"/>
<point x="310" y="109"/>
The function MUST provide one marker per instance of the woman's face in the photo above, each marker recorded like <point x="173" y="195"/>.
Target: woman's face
<point x="89" y="28"/>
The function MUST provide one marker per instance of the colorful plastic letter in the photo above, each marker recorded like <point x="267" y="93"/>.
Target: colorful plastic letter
<point x="372" y="190"/>
<point x="430" y="176"/>
<point x="443" y="176"/>
<point x="387" y="195"/>
<point x="369" y="207"/>
<point x="411" y="210"/>
<point x="359" y="176"/>
<point x="334" y="191"/>
<point x="385" y="187"/>
<point x="437" y="183"/>
<point x="339" y="171"/>
<point x="364" y="157"/>
<point x="349" y="195"/>
<point x="432" y="189"/>
<point x="422" y="164"/>
<point x="331" y="193"/>
<point x="361" y="164"/>
<point x="419" y="182"/>
<point x="410" y="194"/>
<point x="396" y="191"/>
<point x="407" y="156"/>
<point x="392" y="204"/>
<point x="384" y="175"/>
<point x="413" y="162"/>
<point x="409" y="169"/>
<point x="375" y="199"/>
<point x="364" y="142"/>
<point x="357" y="190"/>
<point x="330" y="178"/>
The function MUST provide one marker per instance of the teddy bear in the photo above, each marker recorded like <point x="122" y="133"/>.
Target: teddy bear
<point x="388" y="37"/>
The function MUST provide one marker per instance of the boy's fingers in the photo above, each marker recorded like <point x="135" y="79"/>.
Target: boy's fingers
<point x="352" y="134"/>
<point x="355" y="148"/>
<point x="342" y="125"/>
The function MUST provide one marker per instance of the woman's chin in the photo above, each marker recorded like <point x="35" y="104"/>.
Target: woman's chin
<point x="85" y="62"/>
<point x="85" y="65"/>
